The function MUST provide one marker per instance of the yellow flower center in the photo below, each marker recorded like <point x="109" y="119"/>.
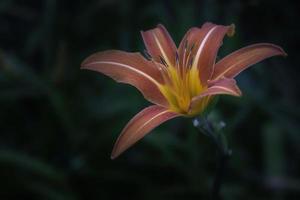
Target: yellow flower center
<point x="181" y="85"/>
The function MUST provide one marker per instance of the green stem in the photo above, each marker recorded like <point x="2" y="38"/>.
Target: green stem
<point x="204" y="126"/>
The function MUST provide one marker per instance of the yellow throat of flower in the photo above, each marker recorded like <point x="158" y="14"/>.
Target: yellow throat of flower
<point x="181" y="85"/>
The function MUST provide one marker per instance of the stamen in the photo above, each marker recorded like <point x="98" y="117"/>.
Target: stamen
<point x="176" y="58"/>
<point x="147" y="55"/>
<point x="158" y="65"/>
<point x="177" y="61"/>
<point x="186" y="44"/>
<point x="184" y="54"/>
<point x="192" y="47"/>
<point x="166" y="77"/>
<point x="162" y="60"/>
<point x="191" y="62"/>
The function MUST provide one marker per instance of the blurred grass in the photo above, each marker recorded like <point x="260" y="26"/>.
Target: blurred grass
<point x="58" y="124"/>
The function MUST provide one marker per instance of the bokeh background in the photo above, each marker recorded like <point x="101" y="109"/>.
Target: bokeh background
<point x="58" y="123"/>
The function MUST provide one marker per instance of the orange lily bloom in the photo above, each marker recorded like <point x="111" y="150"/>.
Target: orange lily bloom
<point x="179" y="81"/>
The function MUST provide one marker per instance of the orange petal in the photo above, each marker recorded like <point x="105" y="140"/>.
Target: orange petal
<point x="221" y="86"/>
<point x="236" y="62"/>
<point x="206" y="42"/>
<point x="139" y="126"/>
<point x="131" y="68"/>
<point x="159" y="43"/>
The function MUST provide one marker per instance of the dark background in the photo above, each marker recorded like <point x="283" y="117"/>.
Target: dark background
<point x="58" y="123"/>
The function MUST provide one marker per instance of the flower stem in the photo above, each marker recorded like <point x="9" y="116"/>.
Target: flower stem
<point x="222" y="164"/>
<point x="204" y="126"/>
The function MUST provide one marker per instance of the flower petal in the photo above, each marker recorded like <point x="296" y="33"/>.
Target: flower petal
<point x="221" y="86"/>
<point x="159" y="44"/>
<point x="206" y="42"/>
<point x="139" y="126"/>
<point x="236" y="62"/>
<point x="131" y="68"/>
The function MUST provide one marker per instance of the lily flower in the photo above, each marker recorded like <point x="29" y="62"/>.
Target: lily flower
<point x="178" y="81"/>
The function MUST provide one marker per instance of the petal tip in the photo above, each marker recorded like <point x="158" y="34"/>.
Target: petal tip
<point x="239" y="93"/>
<point x="83" y="65"/>
<point x="231" y="30"/>
<point x="281" y="52"/>
<point x="115" y="153"/>
<point x="160" y="26"/>
<point x="117" y="149"/>
<point x="284" y="54"/>
<point x="112" y="157"/>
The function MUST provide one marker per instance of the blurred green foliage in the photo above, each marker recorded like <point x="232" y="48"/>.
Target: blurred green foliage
<point x="58" y="124"/>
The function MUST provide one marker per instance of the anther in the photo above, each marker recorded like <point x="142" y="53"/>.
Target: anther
<point x="176" y="57"/>
<point x="192" y="47"/>
<point x="147" y="55"/>
<point x="162" y="60"/>
<point x="191" y="61"/>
